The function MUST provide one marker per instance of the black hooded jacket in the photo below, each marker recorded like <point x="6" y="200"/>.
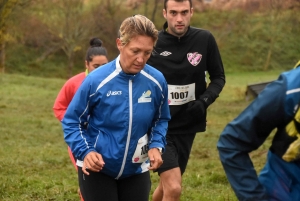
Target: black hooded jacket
<point x="184" y="61"/>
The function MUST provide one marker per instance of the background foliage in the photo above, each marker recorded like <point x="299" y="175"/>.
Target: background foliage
<point x="49" y="38"/>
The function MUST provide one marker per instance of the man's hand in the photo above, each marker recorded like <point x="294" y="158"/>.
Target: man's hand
<point x="92" y="161"/>
<point x="155" y="158"/>
<point x="196" y="108"/>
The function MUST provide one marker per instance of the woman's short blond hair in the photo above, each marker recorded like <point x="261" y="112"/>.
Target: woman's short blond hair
<point x="137" y="25"/>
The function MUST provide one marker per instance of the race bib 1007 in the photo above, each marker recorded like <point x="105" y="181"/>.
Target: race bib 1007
<point x="181" y="94"/>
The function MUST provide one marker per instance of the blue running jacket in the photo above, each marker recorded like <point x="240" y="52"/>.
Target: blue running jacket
<point x="126" y="115"/>
<point x="274" y="108"/>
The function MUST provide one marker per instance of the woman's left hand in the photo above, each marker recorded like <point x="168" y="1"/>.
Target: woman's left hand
<point x="155" y="158"/>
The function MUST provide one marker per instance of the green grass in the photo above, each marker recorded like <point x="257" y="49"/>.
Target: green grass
<point x="35" y="165"/>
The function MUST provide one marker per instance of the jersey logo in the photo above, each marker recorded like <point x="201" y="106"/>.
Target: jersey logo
<point x="145" y="98"/>
<point x="165" y="53"/>
<point x="194" y="58"/>
<point x="113" y="93"/>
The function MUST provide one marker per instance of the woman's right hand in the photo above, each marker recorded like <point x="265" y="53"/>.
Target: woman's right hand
<point x="92" y="161"/>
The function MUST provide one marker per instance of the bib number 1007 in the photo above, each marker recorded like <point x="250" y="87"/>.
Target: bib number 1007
<point x="181" y="94"/>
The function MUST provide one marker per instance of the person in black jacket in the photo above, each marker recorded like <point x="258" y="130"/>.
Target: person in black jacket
<point x="184" y="54"/>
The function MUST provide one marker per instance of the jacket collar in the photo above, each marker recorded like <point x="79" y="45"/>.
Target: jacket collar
<point x="165" y="27"/>
<point x="122" y="73"/>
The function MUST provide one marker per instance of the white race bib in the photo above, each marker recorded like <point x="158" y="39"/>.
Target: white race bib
<point x="181" y="94"/>
<point x="141" y="152"/>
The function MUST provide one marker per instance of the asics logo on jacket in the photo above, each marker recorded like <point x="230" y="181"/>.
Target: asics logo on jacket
<point x="113" y="93"/>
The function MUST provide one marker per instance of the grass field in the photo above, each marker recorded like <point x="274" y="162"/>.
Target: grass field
<point x="34" y="163"/>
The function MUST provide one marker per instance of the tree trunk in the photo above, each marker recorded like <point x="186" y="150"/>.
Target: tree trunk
<point x="70" y="65"/>
<point x="275" y="11"/>
<point x="146" y="8"/>
<point x="48" y="52"/>
<point x="6" y="7"/>
<point x="154" y="10"/>
<point x="267" y="63"/>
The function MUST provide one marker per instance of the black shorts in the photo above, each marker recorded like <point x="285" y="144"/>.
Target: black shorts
<point x="98" y="186"/>
<point x="177" y="152"/>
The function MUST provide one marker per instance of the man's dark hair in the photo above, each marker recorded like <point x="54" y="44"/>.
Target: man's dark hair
<point x="165" y="3"/>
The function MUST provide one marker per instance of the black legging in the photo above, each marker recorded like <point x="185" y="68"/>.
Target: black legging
<point x="100" y="187"/>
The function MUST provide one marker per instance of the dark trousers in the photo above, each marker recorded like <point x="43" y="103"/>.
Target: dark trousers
<point x="100" y="187"/>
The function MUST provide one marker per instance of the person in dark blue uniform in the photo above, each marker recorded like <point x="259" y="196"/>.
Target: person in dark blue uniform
<point x="276" y="107"/>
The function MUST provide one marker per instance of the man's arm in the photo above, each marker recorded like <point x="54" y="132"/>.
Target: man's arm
<point x="245" y="134"/>
<point x="216" y="73"/>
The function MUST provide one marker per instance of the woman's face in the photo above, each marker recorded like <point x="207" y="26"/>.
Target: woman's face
<point x="134" y="55"/>
<point x="97" y="61"/>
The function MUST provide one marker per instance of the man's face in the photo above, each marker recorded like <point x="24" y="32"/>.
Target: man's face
<point x="134" y="55"/>
<point x="178" y="16"/>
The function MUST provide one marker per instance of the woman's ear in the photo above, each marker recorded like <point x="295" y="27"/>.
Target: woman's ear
<point x="86" y="64"/>
<point x="119" y="44"/>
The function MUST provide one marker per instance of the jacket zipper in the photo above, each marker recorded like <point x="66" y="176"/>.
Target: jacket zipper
<point x="129" y="130"/>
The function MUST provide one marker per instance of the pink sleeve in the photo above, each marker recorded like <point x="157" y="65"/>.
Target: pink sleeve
<point x="63" y="99"/>
<point x="66" y="94"/>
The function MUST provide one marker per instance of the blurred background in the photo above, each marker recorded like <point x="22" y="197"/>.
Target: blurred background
<point x="44" y="42"/>
<point x="49" y="38"/>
